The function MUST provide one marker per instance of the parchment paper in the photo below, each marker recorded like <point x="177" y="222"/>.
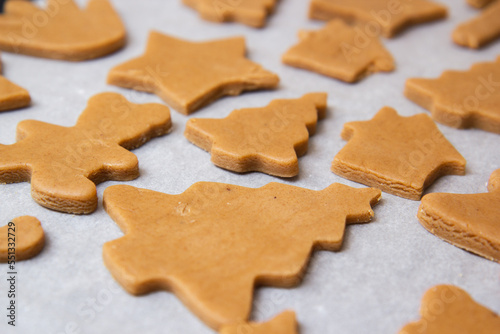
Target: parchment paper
<point x="373" y="285"/>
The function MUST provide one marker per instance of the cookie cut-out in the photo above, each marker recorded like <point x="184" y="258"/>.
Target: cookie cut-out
<point x="11" y="95"/>
<point x="250" y="12"/>
<point x="447" y="309"/>
<point x="334" y="51"/>
<point x="190" y="75"/>
<point x="267" y="139"/>
<point x="400" y="155"/>
<point x="386" y="17"/>
<point x="461" y="99"/>
<point x="25" y="235"/>
<point x="63" y="163"/>
<point x="240" y="238"/>
<point x="468" y="221"/>
<point x="285" y="323"/>
<point x="480" y="30"/>
<point x="62" y="30"/>
<point x="479" y="3"/>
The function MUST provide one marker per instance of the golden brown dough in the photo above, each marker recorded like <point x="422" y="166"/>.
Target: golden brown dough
<point x="267" y="139"/>
<point x="12" y="96"/>
<point x="240" y="237"/>
<point x="26" y="236"/>
<point x="190" y="75"/>
<point x="469" y="221"/>
<point x="285" y="323"/>
<point x="250" y="12"/>
<point x="480" y="30"/>
<point x="339" y="51"/>
<point x="479" y="3"/>
<point x="447" y="309"/>
<point x="62" y="30"/>
<point x="400" y="155"/>
<point x="461" y="99"/>
<point x="386" y="17"/>
<point x="64" y="163"/>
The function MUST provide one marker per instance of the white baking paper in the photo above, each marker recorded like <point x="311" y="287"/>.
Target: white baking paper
<point x="373" y="285"/>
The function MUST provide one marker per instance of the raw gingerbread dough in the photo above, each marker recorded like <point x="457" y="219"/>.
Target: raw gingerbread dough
<point x="64" y="163"/>
<point x="285" y="323"/>
<point x="479" y="3"/>
<point x="249" y="12"/>
<point x="190" y="75"/>
<point x="481" y="30"/>
<point x="267" y="139"/>
<point x="62" y="30"/>
<point x="469" y="221"/>
<point x="400" y="155"/>
<point x="215" y="242"/>
<point x="26" y="235"/>
<point x="336" y="51"/>
<point x="386" y="17"/>
<point x="11" y="95"/>
<point x="461" y="99"/>
<point x="447" y="309"/>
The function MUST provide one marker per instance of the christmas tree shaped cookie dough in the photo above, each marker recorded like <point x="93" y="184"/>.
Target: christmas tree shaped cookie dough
<point x="25" y="238"/>
<point x="63" y="163"/>
<point x="250" y="12"/>
<point x="62" y="30"/>
<point x="447" y="309"/>
<point x="212" y="244"/>
<point x="190" y="75"/>
<point x="265" y="139"/>
<point x="334" y="51"/>
<point x="479" y="3"/>
<point x="11" y="95"/>
<point x="468" y="221"/>
<point x="285" y="323"/>
<point x="387" y="17"/>
<point x="400" y="155"/>
<point x="461" y="99"/>
<point x="481" y="30"/>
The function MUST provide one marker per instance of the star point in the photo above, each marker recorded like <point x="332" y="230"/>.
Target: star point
<point x="190" y="75"/>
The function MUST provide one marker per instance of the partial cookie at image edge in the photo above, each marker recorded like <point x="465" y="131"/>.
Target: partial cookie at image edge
<point x="23" y="237"/>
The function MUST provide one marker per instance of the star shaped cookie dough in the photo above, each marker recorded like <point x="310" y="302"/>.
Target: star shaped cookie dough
<point x="469" y="221"/>
<point x="190" y="75"/>
<point x="62" y="31"/>
<point x="447" y="309"/>
<point x="334" y="52"/>
<point x="64" y="163"/>
<point x="215" y="242"/>
<point x="267" y="139"/>
<point x="285" y="323"/>
<point x="480" y="30"/>
<point x="11" y="95"/>
<point x="386" y="17"/>
<point x="399" y="155"/>
<point x="250" y="12"/>
<point x="461" y="99"/>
